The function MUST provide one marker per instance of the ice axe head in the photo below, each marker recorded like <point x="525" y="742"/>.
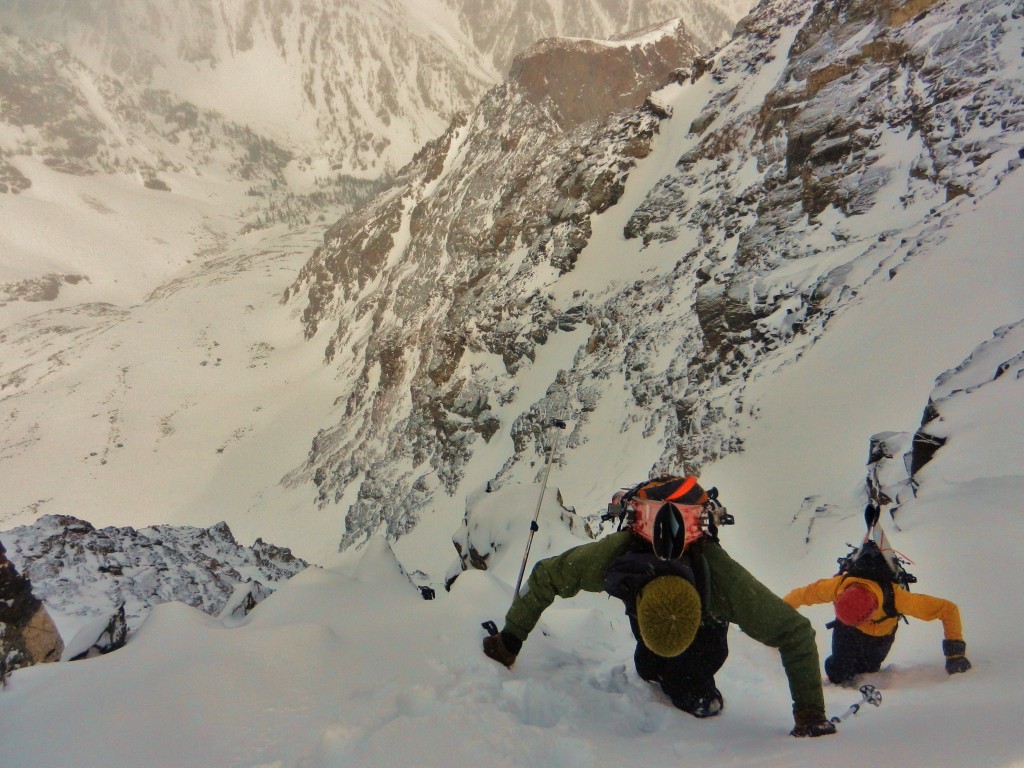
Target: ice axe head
<point x="871" y="695"/>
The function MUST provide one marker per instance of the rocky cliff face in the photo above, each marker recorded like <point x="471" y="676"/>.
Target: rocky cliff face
<point x="533" y="166"/>
<point x="582" y="81"/>
<point x="822" y="148"/>
<point x="79" y="570"/>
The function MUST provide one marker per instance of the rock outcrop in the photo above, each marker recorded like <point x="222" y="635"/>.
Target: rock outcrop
<point x="27" y="633"/>
<point x="988" y="381"/>
<point x="84" y="571"/>
<point x="98" y="637"/>
<point x="582" y="81"/>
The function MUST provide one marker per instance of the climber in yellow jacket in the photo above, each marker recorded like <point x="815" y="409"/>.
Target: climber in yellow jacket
<point x="864" y="631"/>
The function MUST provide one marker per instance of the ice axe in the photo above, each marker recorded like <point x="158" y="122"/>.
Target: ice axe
<point x="489" y="626"/>
<point x="536" y="514"/>
<point x="869" y="695"/>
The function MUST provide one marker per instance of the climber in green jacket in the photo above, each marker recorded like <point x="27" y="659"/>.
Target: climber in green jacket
<point x="679" y="609"/>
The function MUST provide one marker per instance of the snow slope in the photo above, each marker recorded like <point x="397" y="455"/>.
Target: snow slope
<point x="348" y="666"/>
<point x="148" y="412"/>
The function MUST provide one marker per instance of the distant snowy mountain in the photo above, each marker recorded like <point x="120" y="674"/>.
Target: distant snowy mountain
<point x="80" y="122"/>
<point x="345" y="86"/>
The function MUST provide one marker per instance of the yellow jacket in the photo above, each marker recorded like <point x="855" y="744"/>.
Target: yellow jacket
<point x="918" y="606"/>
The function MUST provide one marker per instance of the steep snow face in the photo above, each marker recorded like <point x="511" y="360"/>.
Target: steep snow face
<point x="659" y="261"/>
<point x="350" y="86"/>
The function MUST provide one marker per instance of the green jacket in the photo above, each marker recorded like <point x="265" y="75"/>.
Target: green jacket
<point x="734" y="596"/>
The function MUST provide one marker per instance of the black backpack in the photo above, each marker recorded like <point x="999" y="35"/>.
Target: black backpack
<point x="875" y="561"/>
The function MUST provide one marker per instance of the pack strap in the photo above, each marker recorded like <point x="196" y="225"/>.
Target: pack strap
<point x="683" y="489"/>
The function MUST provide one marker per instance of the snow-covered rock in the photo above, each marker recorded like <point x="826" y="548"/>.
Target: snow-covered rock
<point x="977" y="400"/>
<point x="97" y="637"/>
<point x="78" y="570"/>
<point x="495" y="529"/>
<point x="243" y="600"/>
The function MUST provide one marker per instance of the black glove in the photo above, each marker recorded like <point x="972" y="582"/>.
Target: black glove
<point x="503" y="647"/>
<point x="812" y="722"/>
<point x="954" y="651"/>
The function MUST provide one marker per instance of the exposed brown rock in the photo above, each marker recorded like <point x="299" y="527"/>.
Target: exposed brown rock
<point x="907" y="11"/>
<point x="42" y="640"/>
<point x="27" y="633"/>
<point x="578" y="81"/>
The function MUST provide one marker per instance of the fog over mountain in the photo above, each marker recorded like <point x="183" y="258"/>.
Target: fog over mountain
<point x="347" y="86"/>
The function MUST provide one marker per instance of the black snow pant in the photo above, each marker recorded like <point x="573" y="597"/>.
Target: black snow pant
<point x="690" y="676"/>
<point x="854" y="653"/>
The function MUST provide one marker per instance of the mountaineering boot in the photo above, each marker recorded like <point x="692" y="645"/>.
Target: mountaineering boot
<point x="813" y="723"/>
<point x="704" y="705"/>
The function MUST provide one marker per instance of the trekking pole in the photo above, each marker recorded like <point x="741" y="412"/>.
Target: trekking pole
<point x="869" y="695"/>
<point x="536" y="514"/>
